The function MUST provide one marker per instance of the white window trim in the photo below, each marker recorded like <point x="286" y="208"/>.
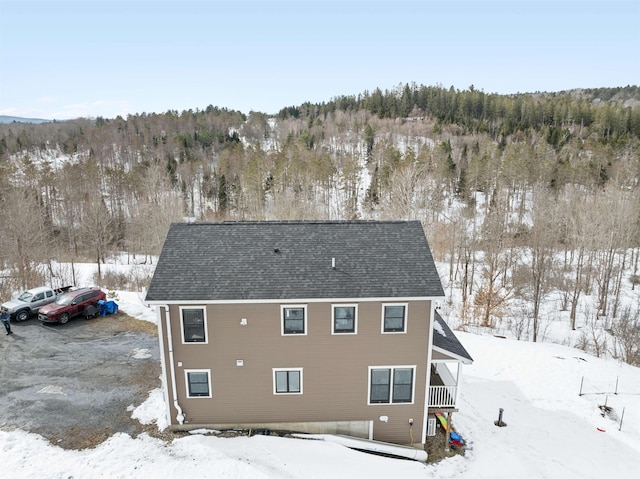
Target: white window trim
<point x="406" y="318"/>
<point x="206" y="329"/>
<point x="305" y="324"/>
<point x="186" y="382"/>
<point x="391" y="403"/>
<point x="333" y="319"/>
<point x="275" y="370"/>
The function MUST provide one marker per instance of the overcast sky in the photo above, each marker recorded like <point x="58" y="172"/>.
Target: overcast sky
<point x="88" y="58"/>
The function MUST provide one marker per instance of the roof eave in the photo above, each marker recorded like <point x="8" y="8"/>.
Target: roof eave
<point x="455" y="356"/>
<point x="289" y="300"/>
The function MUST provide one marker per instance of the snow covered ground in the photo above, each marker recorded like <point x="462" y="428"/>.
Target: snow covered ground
<point x="551" y="432"/>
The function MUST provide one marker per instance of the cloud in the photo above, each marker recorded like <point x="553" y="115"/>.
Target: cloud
<point x="47" y="99"/>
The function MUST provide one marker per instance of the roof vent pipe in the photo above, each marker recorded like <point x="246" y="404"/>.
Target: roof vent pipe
<point x="333" y="263"/>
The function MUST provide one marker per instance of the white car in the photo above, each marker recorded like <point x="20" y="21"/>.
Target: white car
<point x="30" y="301"/>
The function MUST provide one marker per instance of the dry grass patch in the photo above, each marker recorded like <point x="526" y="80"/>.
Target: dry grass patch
<point x="121" y="322"/>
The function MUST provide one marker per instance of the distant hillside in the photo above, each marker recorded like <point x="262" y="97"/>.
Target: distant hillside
<point x="17" y="119"/>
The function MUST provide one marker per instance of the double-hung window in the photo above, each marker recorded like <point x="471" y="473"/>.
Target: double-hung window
<point x="198" y="382"/>
<point x="391" y="385"/>
<point x="287" y="381"/>
<point x="344" y="319"/>
<point x="294" y="319"/>
<point x="194" y="324"/>
<point x="394" y="318"/>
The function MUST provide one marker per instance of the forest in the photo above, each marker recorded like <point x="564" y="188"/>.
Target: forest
<point x="521" y="196"/>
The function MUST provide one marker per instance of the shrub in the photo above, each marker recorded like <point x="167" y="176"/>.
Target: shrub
<point x="133" y="281"/>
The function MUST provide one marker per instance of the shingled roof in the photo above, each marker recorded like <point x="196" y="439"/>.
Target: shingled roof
<point x="445" y="340"/>
<point x="294" y="259"/>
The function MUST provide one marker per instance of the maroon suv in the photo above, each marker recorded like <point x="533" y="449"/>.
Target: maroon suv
<point x="71" y="304"/>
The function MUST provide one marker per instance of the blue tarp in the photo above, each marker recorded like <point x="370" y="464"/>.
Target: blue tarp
<point x="107" y="307"/>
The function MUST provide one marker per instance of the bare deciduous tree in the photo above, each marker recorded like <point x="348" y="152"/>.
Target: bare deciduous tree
<point x="541" y="244"/>
<point x="494" y="294"/>
<point x="26" y="236"/>
<point x="626" y="331"/>
<point x="97" y="229"/>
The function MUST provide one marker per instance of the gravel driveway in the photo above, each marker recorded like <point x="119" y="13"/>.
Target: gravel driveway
<point x="72" y="383"/>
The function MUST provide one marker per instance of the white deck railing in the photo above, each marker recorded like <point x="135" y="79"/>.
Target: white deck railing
<point x="442" y="396"/>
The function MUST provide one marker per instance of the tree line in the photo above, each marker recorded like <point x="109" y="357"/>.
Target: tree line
<point x="606" y="111"/>
<point x="522" y="195"/>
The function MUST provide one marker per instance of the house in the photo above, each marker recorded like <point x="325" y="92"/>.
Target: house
<point x="309" y="326"/>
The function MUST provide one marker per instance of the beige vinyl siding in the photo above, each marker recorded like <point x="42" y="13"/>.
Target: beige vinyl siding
<point x="439" y="355"/>
<point x="336" y="367"/>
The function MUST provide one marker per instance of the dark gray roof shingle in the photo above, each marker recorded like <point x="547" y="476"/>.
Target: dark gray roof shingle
<point x="293" y="259"/>
<point x="444" y="338"/>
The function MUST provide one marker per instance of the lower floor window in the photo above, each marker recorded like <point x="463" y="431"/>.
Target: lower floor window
<point x="391" y="385"/>
<point x="198" y="383"/>
<point x="287" y="381"/>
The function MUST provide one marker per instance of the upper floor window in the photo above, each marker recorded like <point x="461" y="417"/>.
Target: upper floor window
<point x="344" y="319"/>
<point x="194" y="324"/>
<point x="391" y="384"/>
<point x="294" y="319"/>
<point x="287" y="381"/>
<point x="394" y="318"/>
<point x="198" y="382"/>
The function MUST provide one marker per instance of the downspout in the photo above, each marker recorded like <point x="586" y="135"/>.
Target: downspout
<point x="180" y="415"/>
<point x="163" y="364"/>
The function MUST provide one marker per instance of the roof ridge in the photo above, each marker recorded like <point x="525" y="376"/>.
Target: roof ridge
<point x="288" y="222"/>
